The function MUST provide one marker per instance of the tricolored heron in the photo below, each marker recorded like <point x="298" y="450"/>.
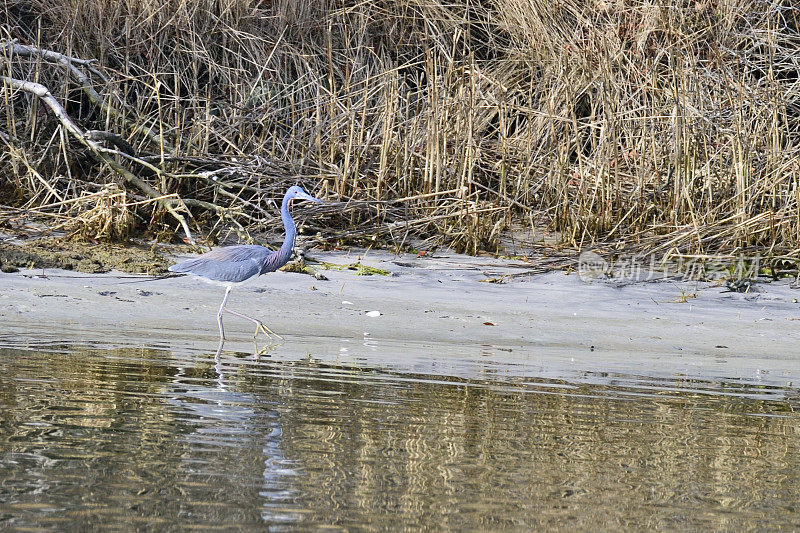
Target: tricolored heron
<point x="231" y="265"/>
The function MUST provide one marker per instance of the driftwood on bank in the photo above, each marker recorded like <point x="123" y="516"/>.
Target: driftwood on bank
<point x="96" y="149"/>
<point x="89" y="139"/>
<point x="70" y="65"/>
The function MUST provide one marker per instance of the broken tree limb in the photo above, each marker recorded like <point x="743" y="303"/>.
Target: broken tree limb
<point x="43" y="93"/>
<point x="12" y="48"/>
<point x="113" y="138"/>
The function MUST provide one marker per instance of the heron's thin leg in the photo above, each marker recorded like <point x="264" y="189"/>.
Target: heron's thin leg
<point x="219" y="314"/>
<point x="259" y="325"/>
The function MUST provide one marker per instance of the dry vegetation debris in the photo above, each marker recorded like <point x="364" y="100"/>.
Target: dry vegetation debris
<point x="668" y="127"/>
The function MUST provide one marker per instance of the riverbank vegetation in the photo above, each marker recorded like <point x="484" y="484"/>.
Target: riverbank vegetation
<point x="664" y="127"/>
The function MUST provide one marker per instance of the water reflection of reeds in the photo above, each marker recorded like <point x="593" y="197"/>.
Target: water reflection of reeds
<point x="461" y="455"/>
<point x="136" y="437"/>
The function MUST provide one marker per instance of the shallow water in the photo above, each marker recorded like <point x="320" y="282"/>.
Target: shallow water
<point x="381" y="435"/>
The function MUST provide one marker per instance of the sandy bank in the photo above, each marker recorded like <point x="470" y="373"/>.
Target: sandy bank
<point x="644" y="329"/>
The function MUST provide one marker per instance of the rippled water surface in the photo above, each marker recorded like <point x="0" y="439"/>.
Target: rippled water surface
<point x="409" y="437"/>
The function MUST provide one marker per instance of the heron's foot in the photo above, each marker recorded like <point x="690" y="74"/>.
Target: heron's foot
<point x="260" y="327"/>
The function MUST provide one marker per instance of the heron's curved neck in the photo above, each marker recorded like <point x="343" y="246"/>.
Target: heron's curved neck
<point x="291" y="231"/>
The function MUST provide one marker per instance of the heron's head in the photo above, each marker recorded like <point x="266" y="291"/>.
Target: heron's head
<point x="296" y="192"/>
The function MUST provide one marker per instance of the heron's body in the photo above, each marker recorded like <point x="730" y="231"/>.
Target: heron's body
<point x="232" y="265"/>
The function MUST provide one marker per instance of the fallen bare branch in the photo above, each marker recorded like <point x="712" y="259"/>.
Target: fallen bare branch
<point x="44" y="95"/>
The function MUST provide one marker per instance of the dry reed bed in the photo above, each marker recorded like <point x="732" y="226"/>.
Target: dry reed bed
<point x="668" y="127"/>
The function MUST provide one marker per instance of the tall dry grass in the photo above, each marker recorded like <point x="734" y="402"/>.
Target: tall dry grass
<point x="661" y="126"/>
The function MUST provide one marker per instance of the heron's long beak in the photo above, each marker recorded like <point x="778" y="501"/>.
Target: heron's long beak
<point x="305" y="196"/>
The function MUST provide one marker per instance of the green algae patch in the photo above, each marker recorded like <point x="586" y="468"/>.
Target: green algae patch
<point x="54" y="252"/>
<point x="302" y="267"/>
<point x="364" y="270"/>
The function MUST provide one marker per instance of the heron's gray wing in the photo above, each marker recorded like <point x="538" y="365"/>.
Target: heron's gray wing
<point x="229" y="264"/>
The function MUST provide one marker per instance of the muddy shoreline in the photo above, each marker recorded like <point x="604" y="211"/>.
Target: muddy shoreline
<point x="61" y="253"/>
<point x="563" y="322"/>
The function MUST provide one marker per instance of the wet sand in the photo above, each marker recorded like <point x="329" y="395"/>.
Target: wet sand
<point x="562" y="323"/>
